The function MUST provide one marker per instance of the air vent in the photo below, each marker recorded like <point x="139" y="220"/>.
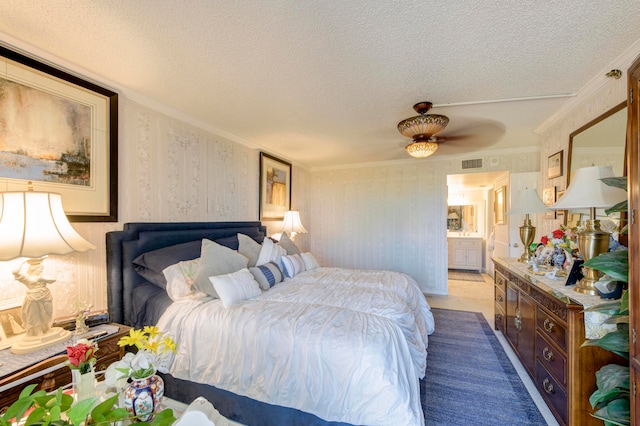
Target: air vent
<point x="472" y="164"/>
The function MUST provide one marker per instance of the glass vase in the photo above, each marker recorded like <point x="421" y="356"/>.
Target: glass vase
<point x="84" y="385"/>
<point x="143" y="396"/>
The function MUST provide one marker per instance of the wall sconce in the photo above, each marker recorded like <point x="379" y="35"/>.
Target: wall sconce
<point x="587" y="191"/>
<point x="34" y="225"/>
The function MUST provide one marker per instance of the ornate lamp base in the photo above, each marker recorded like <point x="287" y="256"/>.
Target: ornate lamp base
<point x="592" y="242"/>
<point x="527" y="234"/>
<point x="32" y="343"/>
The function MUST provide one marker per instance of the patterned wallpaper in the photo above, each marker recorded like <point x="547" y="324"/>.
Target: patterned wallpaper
<point x="388" y="216"/>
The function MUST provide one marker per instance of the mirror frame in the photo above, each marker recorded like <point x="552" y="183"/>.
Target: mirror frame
<point x="590" y="124"/>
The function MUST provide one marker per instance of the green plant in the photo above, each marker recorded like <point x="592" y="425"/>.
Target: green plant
<point x="58" y="409"/>
<point x="612" y="398"/>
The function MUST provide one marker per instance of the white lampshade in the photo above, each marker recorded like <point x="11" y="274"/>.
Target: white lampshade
<point x="527" y="201"/>
<point x="587" y="191"/>
<point x="33" y="224"/>
<point x="292" y="223"/>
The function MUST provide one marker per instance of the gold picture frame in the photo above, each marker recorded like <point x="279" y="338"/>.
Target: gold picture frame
<point x="78" y="155"/>
<point x="549" y="198"/>
<point x="500" y="205"/>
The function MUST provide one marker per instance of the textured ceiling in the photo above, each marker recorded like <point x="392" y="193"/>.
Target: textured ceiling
<point x="325" y="82"/>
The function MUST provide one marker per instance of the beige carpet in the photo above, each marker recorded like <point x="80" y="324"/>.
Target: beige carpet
<point x="465" y="276"/>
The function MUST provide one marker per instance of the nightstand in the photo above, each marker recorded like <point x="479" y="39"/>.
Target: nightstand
<point x="47" y="368"/>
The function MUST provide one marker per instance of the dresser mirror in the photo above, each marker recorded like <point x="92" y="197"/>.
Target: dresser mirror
<point x="601" y="142"/>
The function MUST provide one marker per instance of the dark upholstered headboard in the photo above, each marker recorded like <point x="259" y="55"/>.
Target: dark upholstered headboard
<point x="140" y="237"/>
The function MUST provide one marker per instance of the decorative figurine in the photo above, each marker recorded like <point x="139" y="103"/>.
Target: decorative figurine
<point x="83" y="314"/>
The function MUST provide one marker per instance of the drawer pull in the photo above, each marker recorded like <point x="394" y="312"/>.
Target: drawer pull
<point x="499" y="298"/>
<point x="548" y="325"/>
<point x="547" y="354"/>
<point x="517" y="320"/>
<point x="499" y="317"/>
<point x="548" y="386"/>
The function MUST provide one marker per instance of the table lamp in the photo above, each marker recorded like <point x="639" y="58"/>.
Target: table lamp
<point x="292" y="224"/>
<point x="34" y="225"/>
<point x="587" y="191"/>
<point x="527" y="201"/>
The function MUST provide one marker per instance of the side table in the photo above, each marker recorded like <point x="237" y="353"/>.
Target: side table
<point x="49" y="370"/>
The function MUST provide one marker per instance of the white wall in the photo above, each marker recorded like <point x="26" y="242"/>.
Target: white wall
<point x="393" y="216"/>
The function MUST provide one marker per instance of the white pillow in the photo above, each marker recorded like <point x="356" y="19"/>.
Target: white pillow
<point x="288" y="245"/>
<point x="249" y="248"/>
<point x="293" y="265"/>
<point x="235" y="287"/>
<point x="270" y="252"/>
<point x="216" y="259"/>
<point x="310" y="262"/>
<point x="180" y="277"/>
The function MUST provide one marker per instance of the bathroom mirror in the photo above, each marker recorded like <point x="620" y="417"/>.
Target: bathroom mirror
<point x="462" y="218"/>
<point x="601" y="142"/>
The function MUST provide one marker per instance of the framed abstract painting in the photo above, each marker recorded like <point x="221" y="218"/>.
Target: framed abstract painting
<point x="275" y="187"/>
<point x="60" y="133"/>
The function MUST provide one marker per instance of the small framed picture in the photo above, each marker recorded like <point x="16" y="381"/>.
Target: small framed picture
<point x="549" y="198"/>
<point x="11" y="329"/>
<point x="554" y="165"/>
<point x="561" y="215"/>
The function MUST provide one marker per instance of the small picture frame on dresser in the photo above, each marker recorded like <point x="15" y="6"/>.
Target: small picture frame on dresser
<point x="11" y="329"/>
<point x="575" y="273"/>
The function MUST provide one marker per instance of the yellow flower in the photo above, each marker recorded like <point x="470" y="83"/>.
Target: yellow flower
<point x="152" y="346"/>
<point x="151" y="330"/>
<point x="168" y="345"/>
<point x="135" y="338"/>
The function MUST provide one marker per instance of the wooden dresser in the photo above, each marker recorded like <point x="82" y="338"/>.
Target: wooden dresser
<point x="51" y="372"/>
<point x="544" y="323"/>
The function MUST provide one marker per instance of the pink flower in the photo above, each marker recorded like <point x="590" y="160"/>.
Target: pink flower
<point x="82" y="355"/>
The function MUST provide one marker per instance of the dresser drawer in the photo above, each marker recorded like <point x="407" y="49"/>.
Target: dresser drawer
<point x="550" y="327"/>
<point x="501" y="281"/>
<point x="499" y="296"/>
<point x="553" y="392"/>
<point x="552" y="358"/>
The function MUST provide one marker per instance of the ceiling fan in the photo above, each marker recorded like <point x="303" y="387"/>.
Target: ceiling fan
<point x="423" y="129"/>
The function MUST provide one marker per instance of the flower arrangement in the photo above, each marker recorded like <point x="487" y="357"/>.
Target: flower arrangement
<point x="151" y="344"/>
<point x="563" y="238"/>
<point x="82" y="356"/>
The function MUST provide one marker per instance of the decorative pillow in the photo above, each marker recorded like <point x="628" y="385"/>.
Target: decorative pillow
<point x="180" y="279"/>
<point x="216" y="260"/>
<point x="310" y="262"/>
<point x="249" y="248"/>
<point x="151" y="264"/>
<point x="235" y="287"/>
<point x="267" y="275"/>
<point x="287" y="244"/>
<point x="293" y="265"/>
<point x="270" y="252"/>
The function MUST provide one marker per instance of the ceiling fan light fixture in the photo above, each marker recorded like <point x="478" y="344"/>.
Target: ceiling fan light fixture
<point x="421" y="129"/>
<point x="421" y="149"/>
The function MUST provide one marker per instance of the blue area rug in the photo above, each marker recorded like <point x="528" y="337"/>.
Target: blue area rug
<point x="470" y="380"/>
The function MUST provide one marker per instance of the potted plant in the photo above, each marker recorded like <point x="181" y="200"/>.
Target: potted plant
<point x="612" y="398"/>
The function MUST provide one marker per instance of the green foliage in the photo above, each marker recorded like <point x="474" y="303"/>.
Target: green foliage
<point x="613" y="263"/>
<point x="58" y="409"/>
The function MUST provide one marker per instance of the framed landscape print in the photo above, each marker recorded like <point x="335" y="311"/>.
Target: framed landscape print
<point x="275" y="187"/>
<point x="59" y="132"/>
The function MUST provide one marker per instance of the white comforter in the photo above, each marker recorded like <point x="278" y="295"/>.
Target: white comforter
<point x="344" y="345"/>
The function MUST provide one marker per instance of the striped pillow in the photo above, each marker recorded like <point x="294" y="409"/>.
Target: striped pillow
<point x="267" y="275"/>
<point x="293" y="265"/>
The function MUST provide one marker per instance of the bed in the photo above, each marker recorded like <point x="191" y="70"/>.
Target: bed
<point x="328" y="346"/>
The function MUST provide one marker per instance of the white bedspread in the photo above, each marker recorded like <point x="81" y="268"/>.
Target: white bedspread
<point x="340" y="344"/>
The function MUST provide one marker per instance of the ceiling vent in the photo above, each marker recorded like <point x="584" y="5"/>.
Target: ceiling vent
<point x="472" y="164"/>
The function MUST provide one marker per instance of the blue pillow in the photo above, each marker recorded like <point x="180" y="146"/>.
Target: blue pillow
<point x="267" y="275"/>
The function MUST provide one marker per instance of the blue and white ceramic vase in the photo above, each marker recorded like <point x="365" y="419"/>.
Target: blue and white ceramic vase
<point x="143" y="396"/>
